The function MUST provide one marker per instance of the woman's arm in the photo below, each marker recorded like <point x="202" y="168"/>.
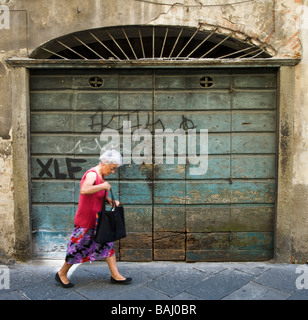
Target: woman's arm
<point x="88" y="186"/>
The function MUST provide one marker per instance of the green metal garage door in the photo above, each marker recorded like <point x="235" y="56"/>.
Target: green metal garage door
<point x="226" y="214"/>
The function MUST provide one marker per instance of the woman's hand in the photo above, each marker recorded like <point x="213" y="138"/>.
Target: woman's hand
<point x="88" y="186"/>
<point x="117" y="203"/>
<point x="106" y="186"/>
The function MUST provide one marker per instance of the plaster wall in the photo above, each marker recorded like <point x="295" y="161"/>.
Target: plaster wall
<point x="299" y="220"/>
<point x="277" y="23"/>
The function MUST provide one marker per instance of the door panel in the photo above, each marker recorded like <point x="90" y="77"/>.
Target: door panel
<point x="223" y="214"/>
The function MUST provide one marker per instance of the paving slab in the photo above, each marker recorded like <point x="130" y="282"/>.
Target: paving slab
<point x="11" y="295"/>
<point x="152" y="270"/>
<point x="280" y="277"/>
<point x="103" y="290"/>
<point x="255" y="291"/>
<point x="208" y="268"/>
<point x="142" y="293"/>
<point x="186" y="296"/>
<point x="220" y="284"/>
<point x="80" y="277"/>
<point x="69" y="296"/>
<point x="299" y="295"/>
<point x="251" y="267"/>
<point x="177" y="281"/>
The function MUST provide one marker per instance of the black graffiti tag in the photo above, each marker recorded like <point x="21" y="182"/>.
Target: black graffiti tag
<point x="45" y="168"/>
<point x="71" y="169"/>
<point x="185" y="124"/>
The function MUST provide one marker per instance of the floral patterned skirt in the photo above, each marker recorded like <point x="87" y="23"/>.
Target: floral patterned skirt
<point x="82" y="247"/>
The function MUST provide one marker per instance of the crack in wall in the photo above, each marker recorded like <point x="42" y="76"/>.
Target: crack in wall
<point x="196" y="6"/>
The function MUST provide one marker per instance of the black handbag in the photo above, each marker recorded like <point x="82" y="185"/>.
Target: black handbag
<point x="110" y="225"/>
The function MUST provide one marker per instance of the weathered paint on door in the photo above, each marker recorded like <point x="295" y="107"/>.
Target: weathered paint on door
<point x="226" y="214"/>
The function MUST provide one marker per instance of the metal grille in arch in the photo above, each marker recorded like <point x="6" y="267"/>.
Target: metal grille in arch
<point x="153" y="43"/>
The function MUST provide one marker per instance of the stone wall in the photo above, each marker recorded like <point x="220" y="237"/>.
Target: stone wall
<point x="7" y="201"/>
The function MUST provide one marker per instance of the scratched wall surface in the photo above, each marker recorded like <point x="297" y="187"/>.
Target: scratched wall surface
<point x="226" y="214"/>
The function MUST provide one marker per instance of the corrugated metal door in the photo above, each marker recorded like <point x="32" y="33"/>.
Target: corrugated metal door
<point x="225" y="214"/>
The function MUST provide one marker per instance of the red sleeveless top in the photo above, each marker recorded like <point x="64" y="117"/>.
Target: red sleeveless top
<point x="89" y="204"/>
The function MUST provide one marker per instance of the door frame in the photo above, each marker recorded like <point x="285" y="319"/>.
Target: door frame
<point x="20" y="72"/>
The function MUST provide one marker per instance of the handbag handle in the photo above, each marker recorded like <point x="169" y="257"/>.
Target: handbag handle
<point x="112" y="197"/>
<point x="104" y="200"/>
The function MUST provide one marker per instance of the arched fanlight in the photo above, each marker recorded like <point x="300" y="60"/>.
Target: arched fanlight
<point x="152" y="42"/>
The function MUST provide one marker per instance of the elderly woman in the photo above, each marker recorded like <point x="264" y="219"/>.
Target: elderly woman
<point x="81" y="246"/>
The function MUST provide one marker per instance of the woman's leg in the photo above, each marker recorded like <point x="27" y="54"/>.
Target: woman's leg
<point x="63" y="272"/>
<point x="112" y="264"/>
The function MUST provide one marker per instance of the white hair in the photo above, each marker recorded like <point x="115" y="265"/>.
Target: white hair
<point x="111" y="156"/>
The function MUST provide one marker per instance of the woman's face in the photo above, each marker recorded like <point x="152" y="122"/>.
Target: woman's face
<point x="107" y="169"/>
